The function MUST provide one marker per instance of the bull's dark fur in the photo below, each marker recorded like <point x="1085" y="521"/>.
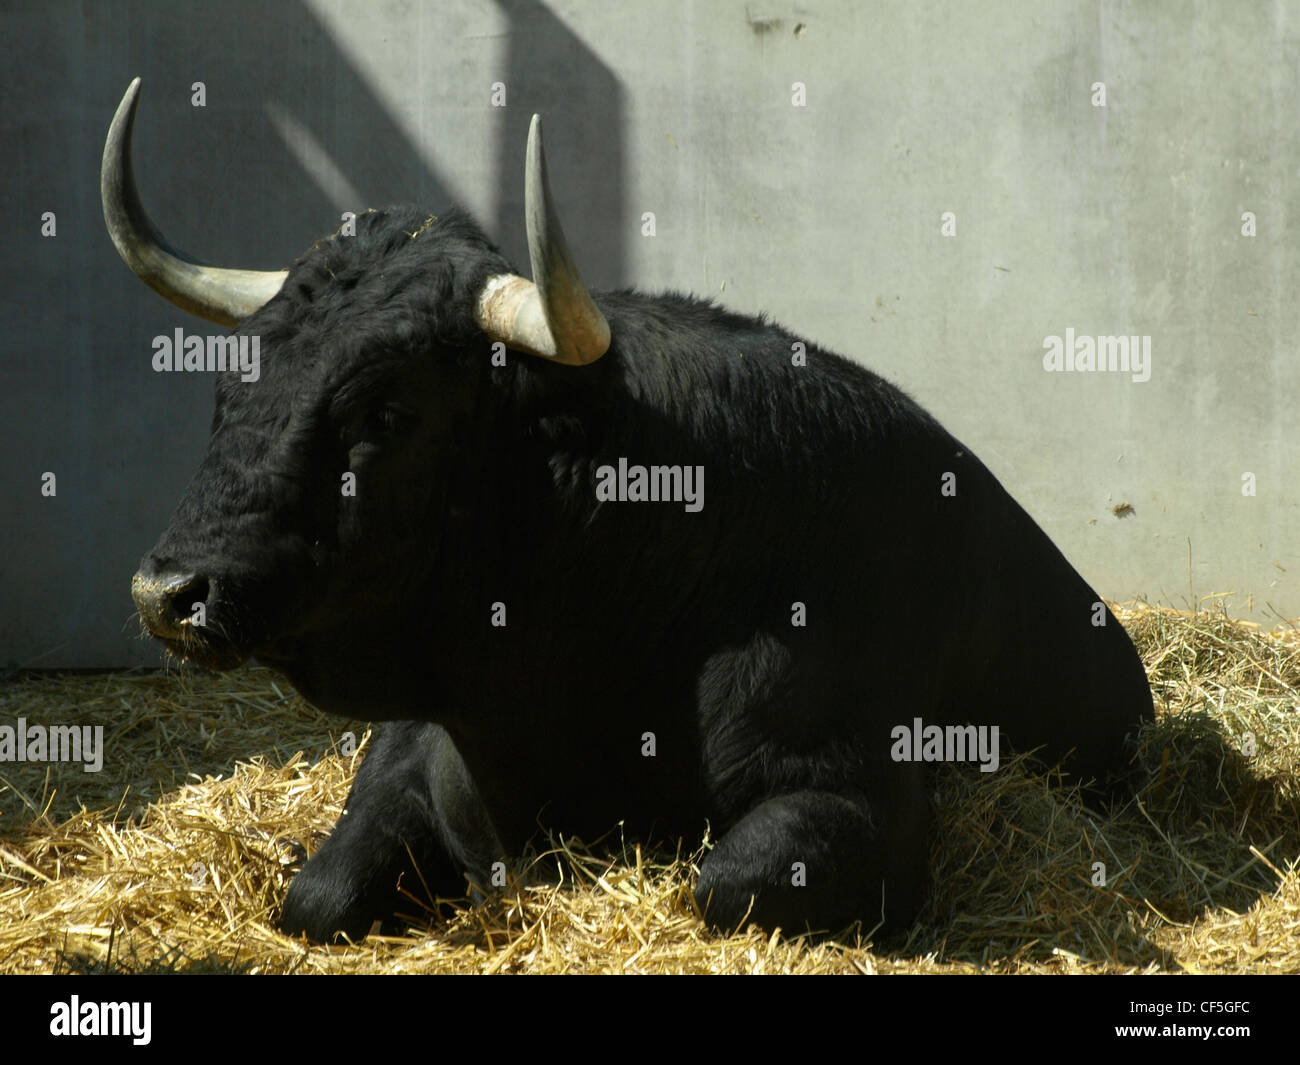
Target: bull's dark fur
<point x="822" y="487"/>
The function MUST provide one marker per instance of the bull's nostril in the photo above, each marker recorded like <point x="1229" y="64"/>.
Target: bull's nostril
<point x="167" y="601"/>
<point x="184" y="593"/>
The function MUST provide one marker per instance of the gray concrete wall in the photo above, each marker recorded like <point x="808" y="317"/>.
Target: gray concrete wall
<point x="1122" y="219"/>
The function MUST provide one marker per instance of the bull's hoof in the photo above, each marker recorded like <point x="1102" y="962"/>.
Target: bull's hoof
<point x="322" y="906"/>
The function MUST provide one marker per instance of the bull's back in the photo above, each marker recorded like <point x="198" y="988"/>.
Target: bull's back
<point x="1050" y="664"/>
<point x="1011" y="636"/>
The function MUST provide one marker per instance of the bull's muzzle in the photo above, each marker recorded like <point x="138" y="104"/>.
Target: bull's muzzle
<point x="179" y="609"/>
<point x="170" y="604"/>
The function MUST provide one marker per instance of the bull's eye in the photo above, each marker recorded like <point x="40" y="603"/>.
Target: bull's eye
<point x="383" y="424"/>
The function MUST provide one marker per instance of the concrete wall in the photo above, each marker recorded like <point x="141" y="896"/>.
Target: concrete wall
<point x="1122" y="219"/>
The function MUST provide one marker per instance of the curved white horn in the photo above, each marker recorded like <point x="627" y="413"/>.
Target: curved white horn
<point x="553" y="315"/>
<point x="211" y="292"/>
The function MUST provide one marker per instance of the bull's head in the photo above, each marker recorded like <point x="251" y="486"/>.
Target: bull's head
<point x="373" y="347"/>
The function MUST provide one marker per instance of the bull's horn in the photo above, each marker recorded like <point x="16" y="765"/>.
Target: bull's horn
<point x="552" y="315"/>
<point x="211" y="292"/>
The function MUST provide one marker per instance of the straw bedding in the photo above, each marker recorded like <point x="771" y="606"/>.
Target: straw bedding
<point x="177" y="854"/>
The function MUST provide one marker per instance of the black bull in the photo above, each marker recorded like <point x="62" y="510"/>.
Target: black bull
<point x="402" y="514"/>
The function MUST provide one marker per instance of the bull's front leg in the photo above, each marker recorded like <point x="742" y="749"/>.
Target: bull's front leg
<point x="412" y="822"/>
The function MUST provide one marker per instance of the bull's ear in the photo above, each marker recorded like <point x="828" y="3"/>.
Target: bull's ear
<point x="553" y="315"/>
<point x="211" y="292"/>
